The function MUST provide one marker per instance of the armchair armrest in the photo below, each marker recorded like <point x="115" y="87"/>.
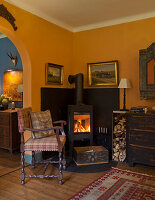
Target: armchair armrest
<point x="41" y="130"/>
<point x="59" y="128"/>
<point x="62" y="122"/>
<point x="47" y="129"/>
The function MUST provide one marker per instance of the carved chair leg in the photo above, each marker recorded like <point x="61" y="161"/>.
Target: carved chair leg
<point x="60" y="168"/>
<point x="33" y="159"/>
<point x="64" y="158"/>
<point x="22" y="177"/>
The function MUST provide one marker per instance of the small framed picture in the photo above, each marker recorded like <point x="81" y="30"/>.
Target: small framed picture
<point x="103" y="73"/>
<point x="54" y="73"/>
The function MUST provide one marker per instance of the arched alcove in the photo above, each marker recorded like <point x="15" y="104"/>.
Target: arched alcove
<point x="26" y="65"/>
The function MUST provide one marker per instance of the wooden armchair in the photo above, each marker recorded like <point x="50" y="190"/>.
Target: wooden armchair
<point x="44" y="138"/>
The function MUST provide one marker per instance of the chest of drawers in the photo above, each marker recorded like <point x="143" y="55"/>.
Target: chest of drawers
<point x="9" y="135"/>
<point x="141" y="138"/>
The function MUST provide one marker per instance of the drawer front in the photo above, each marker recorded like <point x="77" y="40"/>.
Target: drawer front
<point x="4" y="119"/>
<point x="4" y="142"/>
<point x="143" y="138"/>
<point x="141" y="155"/>
<point x="141" y="122"/>
<point x="4" y="131"/>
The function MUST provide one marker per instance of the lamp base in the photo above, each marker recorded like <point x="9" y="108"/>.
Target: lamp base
<point x="124" y="109"/>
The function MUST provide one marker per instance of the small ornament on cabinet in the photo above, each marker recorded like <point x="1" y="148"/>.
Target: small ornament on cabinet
<point x="13" y="106"/>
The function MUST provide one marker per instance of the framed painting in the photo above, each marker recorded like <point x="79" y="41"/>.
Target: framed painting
<point x="53" y="73"/>
<point x="12" y="80"/>
<point x="103" y="73"/>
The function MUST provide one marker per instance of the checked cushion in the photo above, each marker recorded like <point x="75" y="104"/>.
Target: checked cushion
<point x="41" y="120"/>
<point x="44" y="144"/>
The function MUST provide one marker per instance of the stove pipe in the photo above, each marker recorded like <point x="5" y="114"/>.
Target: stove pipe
<point x="78" y="80"/>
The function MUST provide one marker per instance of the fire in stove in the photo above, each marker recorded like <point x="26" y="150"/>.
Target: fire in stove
<point x="81" y="122"/>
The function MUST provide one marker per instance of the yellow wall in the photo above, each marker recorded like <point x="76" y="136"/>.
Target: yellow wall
<point x="119" y="42"/>
<point x="39" y="42"/>
<point x="44" y="42"/>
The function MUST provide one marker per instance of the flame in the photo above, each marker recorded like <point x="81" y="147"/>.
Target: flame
<point x="79" y="128"/>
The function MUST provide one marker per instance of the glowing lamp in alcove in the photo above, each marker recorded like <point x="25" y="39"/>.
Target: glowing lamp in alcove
<point x="11" y="80"/>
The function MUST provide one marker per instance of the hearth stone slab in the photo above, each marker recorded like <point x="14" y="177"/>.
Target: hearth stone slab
<point x="90" y="155"/>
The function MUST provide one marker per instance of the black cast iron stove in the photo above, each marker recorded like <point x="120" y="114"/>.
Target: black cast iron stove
<point x="80" y="116"/>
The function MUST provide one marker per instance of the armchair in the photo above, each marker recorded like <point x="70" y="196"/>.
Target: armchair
<point x="44" y="137"/>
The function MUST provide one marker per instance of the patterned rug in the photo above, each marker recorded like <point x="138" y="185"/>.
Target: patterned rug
<point x="117" y="184"/>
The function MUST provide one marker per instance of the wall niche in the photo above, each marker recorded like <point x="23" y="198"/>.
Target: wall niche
<point x="10" y="73"/>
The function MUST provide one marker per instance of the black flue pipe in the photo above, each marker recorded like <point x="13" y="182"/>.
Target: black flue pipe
<point x="78" y="80"/>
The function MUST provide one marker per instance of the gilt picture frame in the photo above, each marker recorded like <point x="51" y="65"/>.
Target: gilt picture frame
<point x="54" y="74"/>
<point x="103" y="73"/>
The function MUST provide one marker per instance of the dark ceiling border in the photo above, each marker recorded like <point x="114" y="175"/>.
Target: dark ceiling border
<point x="8" y="16"/>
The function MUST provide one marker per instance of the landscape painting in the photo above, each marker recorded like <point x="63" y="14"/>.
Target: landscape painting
<point x="54" y="73"/>
<point x="103" y="73"/>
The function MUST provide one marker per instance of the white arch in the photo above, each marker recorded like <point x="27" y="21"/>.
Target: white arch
<point x="27" y="97"/>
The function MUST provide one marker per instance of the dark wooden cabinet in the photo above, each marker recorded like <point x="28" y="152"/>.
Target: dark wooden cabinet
<point x="141" y="138"/>
<point x="9" y="135"/>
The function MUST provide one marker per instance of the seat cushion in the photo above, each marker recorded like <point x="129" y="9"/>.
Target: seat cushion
<point x="41" y="120"/>
<point x="44" y="144"/>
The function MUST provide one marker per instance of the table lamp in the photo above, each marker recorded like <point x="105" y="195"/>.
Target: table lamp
<point x="124" y="83"/>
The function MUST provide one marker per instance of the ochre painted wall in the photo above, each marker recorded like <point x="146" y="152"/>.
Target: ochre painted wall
<point x="119" y="42"/>
<point x="44" y="42"/>
<point x="39" y="42"/>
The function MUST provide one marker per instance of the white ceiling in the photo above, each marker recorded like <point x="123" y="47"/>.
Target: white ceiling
<point x="78" y="15"/>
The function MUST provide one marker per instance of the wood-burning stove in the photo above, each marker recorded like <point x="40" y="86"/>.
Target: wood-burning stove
<point x="80" y="116"/>
<point x="80" y="122"/>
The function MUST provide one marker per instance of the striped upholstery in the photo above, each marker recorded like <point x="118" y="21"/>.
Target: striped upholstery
<point x="24" y="118"/>
<point x="44" y="144"/>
